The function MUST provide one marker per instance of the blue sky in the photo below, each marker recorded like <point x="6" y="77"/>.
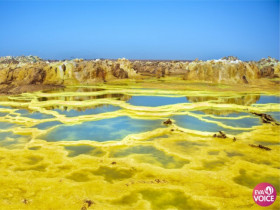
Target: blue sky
<point x="140" y="29"/>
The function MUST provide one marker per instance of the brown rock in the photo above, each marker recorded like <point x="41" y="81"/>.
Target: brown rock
<point x="266" y="118"/>
<point x="245" y="79"/>
<point x="119" y="73"/>
<point x="63" y="67"/>
<point x="260" y="146"/>
<point x="220" y="135"/>
<point x="167" y="122"/>
<point x="267" y="71"/>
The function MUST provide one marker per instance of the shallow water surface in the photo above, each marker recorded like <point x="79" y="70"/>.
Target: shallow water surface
<point x="268" y="99"/>
<point x="87" y="111"/>
<point x="156" y="100"/>
<point x="102" y="130"/>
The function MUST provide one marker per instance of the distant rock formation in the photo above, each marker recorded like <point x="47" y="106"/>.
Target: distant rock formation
<point x="223" y="71"/>
<point x="32" y="70"/>
<point x="65" y="72"/>
<point x="230" y="58"/>
<point x="160" y="68"/>
<point x="19" y="59"/>
<point x="269" y="67"/>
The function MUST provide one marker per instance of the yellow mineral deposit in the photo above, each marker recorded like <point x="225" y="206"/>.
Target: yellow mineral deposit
<point x="155" y="167"/>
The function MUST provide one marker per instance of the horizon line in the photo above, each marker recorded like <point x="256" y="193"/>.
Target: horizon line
<point x="138" y="59"/>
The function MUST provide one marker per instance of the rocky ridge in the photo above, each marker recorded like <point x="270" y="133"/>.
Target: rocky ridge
<point x="32" y="70"/>
<point x="19" y="59"/>
<point x="269" y="67"/>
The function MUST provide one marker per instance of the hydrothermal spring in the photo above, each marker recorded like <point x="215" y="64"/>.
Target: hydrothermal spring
<point x="109" y="145"/>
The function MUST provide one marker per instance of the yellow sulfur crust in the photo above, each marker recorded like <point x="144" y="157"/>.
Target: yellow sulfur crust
<point x="169" y="167"/>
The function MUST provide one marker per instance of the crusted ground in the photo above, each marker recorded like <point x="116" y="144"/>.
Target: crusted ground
<point x="55" y="154"/>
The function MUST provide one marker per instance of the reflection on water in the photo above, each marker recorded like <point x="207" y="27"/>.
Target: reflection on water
<point x="47" y="125"/>
<point x="84" y="98"/>
<point x="116" y="128"/>
<point x="193" y="123"/>
<point x="240" y="100"/>
<point x="102" y="130"/>
<point x="73" y="89"/>
<point x="275" y="115"/>
<point x="70" y="112"/>
<point x="195" y="99"/>
<point x="245" y="100"/>
<point x="225" y="113"/>
<point x="243" y="123"/>
<point x="33" y="115"/>
<point x="156" y="100"/>
<point x="268" y="99"/>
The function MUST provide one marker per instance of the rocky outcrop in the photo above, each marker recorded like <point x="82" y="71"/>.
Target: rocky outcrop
<point x="269" y="67"/>
<point x="22" y="75"/>
<point x="19" y="59"/>
<point x="230" y="58"/>
<point x="222" y="71"/>
<point x="119" y="72"/>
<point x="32" y="70"/>
<point x="267" y="71"/>
<point x="66" y="72"/>
<point x="160" y="68"/>
<point x="88" y="72"/>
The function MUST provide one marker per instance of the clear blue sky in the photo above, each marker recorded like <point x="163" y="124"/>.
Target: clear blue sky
<point x="140" y="29"/>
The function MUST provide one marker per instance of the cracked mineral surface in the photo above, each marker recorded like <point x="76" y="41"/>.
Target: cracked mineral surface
<point x="106" y="146"/>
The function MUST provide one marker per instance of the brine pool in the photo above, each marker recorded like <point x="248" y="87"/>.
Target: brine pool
<point x="109" y="145"/>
